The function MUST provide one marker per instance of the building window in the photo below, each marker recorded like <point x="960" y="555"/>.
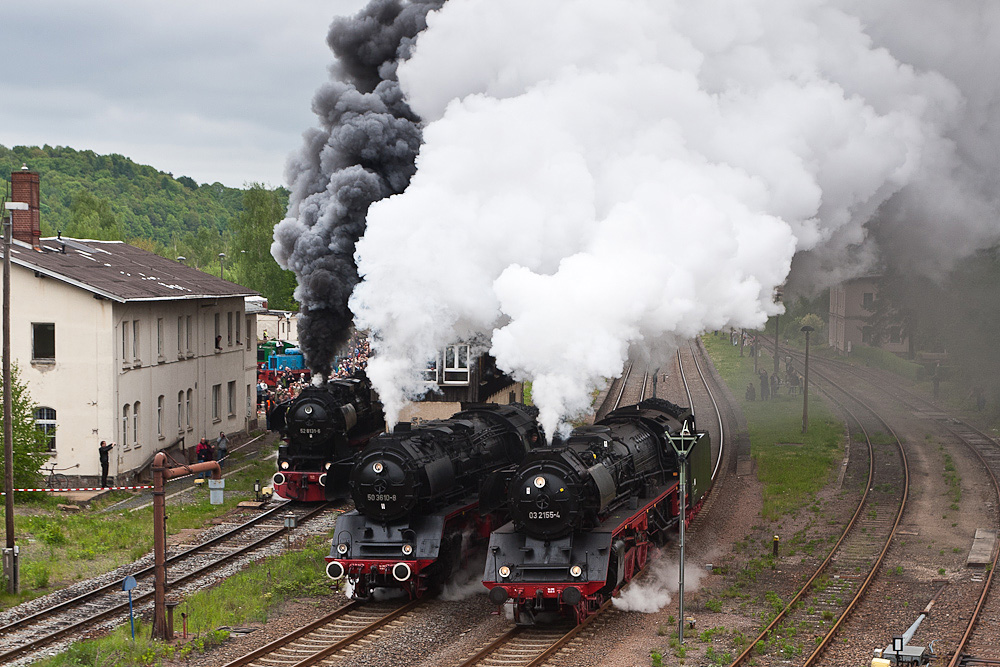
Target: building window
<point x="430" y="373"/>
<point x="456" y="364"/>
<point x="136" y="346"/>
<point x="238" y="320"/>
<point x="218" y="325"/>
<point x="250" y="401"/>
<point x="216" y="402"/>
<point x="159" y="338"/>
<point x="45" y="421"/>
<point x="180" y="410"/>
<point x="229" y="328"/>
<point x="126" y="410"/>
<point x="159" y="416"/>
<point x="187" y="340"/>
<point x="180" y="336"/>
<point x="187" y="409"/>
<point x="125" y="347"/>
<point x="135" y="424"/>
<point x="249" y="334"/>
<point x="868" y="300"/>
<point x="231" y="398"/>
<point x="43" y="341"/>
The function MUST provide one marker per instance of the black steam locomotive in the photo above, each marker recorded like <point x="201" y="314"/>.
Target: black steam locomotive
<point x="323" y="428"/>
<point x="586" y="512"/>
<point x="416" y="494"/>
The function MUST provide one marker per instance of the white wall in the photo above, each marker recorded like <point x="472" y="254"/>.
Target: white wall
<point x="94" y="376"/>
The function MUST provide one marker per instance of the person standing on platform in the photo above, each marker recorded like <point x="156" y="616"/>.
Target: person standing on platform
<point x="104" y="448"/>
<point x="221" y="448"/>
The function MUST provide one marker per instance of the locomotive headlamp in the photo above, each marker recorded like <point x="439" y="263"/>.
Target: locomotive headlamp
<point x="504" y="571"/>
<point x="539" y="482"/>
<point x="576" y="570"/>
<point x="378" y="467"/>
<point x="284" y="465"/>
<point x="342" y="548"/>
<point x="407" y="549"/>
<point x="308" y="409"/>
<point x="327" y="465"/>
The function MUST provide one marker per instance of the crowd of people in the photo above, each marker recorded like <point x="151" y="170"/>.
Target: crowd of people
<point x="288" y="385"/>
<point x="356" y="358"/>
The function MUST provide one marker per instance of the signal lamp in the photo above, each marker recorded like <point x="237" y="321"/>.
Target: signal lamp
<point x="378" y="467"/>
<point x="407" y="549"/>
<point x="576" y="570"/>
<point x="504" y="571"/>
<point x="342" y="548"/>
<point x="539" y="482"/>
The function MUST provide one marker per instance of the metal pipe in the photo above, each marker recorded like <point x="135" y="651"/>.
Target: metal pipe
<point x="160" y="476"/>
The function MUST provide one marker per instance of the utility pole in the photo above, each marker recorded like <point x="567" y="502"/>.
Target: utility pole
<point x="805" y="382"/>
<point x="682" y="444"/>
<point x="10" y="550"/>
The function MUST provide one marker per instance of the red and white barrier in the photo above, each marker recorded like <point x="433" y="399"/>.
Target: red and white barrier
<point x="91" y="488"/>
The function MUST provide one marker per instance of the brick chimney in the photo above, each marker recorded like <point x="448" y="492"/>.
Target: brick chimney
<point x="24" y="188"/>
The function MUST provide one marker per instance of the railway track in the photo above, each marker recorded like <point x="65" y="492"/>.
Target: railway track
<point x="836" y="587"/>
<point x="528" y="646"/>
<point x="975" y="642"/>
<point x="72" y="618"/>
<point x="331" y="636"/>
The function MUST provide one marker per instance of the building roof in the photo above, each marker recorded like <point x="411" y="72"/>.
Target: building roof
<point x="120" y="272"/>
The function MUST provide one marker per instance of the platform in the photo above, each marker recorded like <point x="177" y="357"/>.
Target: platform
<point x="981" y="553"/>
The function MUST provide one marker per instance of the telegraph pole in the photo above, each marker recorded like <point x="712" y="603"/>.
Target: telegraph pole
<point x="10" y="551"/>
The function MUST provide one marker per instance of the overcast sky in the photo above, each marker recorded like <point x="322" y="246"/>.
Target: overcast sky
<point x="216" y="90"/>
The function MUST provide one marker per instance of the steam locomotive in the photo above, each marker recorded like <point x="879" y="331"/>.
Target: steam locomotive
<point x="323" y="428"/>
<point x="586" y="512"/>
<point x="416" y="497"/>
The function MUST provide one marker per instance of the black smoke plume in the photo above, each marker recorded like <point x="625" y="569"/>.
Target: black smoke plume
<point x="363" y="151"/>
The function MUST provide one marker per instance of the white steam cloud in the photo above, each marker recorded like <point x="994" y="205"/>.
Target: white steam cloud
<point x="652" y="592"/>
<point x="599" y="176"/>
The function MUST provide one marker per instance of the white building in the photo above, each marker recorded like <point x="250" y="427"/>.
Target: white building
<point x="116" y="343"/>
<point x="278" y="325"/>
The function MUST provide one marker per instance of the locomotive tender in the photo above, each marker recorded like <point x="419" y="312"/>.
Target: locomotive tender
<point x="323" y="428"/>
<point x="586" y="512"/>
<point x="416" y="494"/>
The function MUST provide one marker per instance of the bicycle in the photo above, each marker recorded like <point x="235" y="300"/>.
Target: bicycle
<point x="55" y="479"/>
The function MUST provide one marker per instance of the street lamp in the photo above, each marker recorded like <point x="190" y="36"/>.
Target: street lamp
<point x="805" y="382"/>
<point x="10" y="551"/>
<point x="222" y="257"/>
<point x="682" y="444"/>
<point x="777" y="299"/>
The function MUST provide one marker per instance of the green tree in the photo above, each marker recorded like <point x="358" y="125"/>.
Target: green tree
<point x="28" y="440"/>
<point x="253" y="229"/>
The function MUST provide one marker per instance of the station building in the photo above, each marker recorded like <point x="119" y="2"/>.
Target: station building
<point x="852" y="304"/>
<point x="119" y="344"/>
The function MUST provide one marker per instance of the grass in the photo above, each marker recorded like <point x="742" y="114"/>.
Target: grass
<point x="247" y="597"/>
<point x="879" y="358"/>
<point x="791" y="475"/>
<point x="58" y="549"/>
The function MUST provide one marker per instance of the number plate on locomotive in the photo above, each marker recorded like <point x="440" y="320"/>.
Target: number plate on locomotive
<point x="382" y="497"/>
<point x="548" y="514"/>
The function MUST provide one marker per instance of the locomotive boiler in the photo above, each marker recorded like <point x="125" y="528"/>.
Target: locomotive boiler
<point x="586" y="512"/>
<point x="322" y="429"/>
<point x="416" y="494"/>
